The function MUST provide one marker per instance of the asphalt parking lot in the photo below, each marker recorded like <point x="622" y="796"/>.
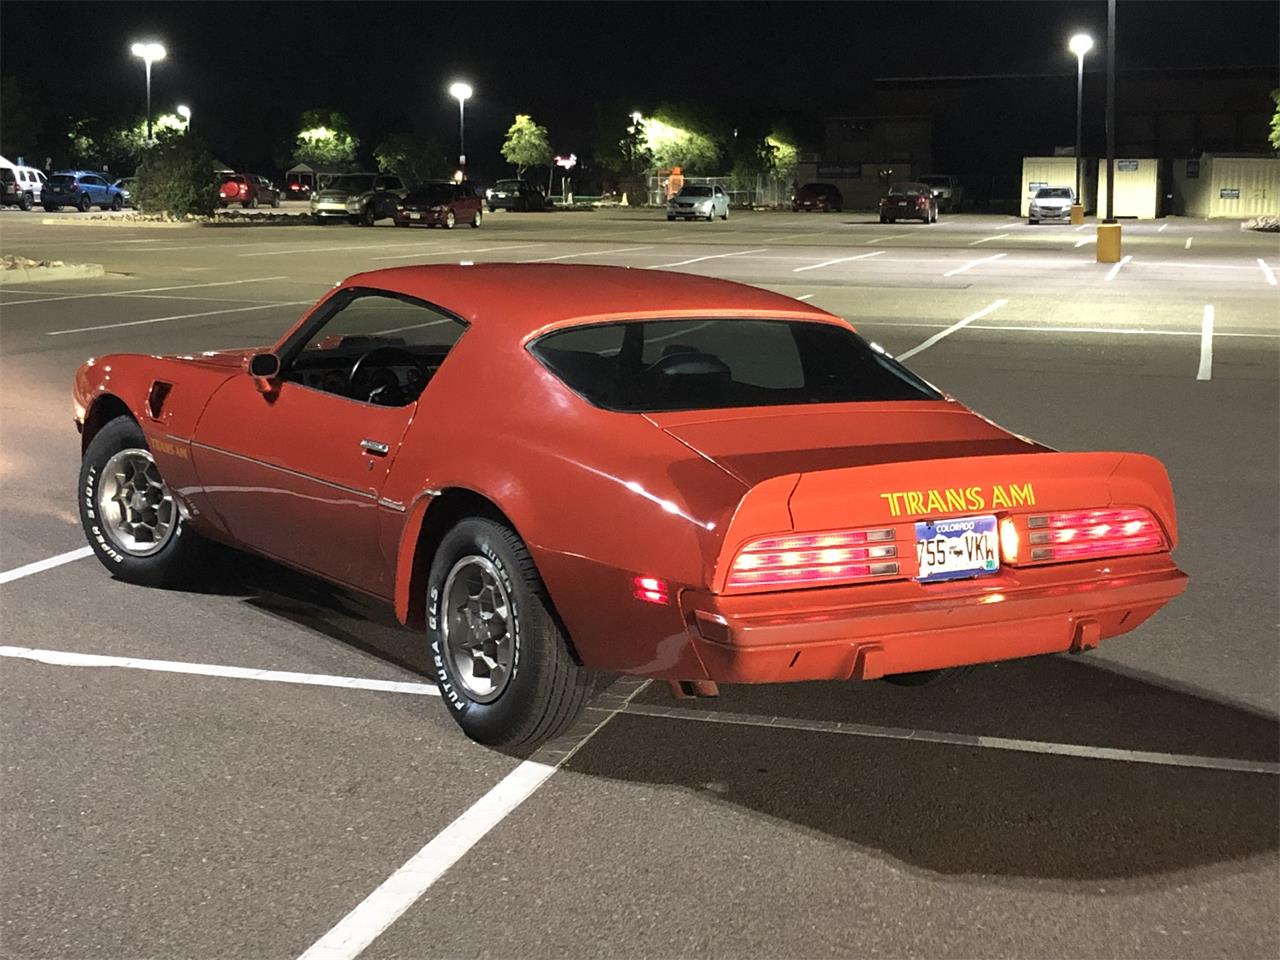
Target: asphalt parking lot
<point x="259" y="769"/>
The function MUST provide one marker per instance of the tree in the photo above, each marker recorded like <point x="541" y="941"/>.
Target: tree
<point x="325" y="140"/>
<point x="527" y="144"/>
<point x="176" y="178"/>
<point x="1274" y="136"/>
<point x="676" y="136"/>
<point x="413" y="160"/>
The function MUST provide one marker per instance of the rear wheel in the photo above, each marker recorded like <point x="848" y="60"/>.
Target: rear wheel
<point x="502" y="661"/>
<point x="85" y="203"/>
<point x="251" y="203"/>
<point x="725" y="216"/>
<point x="275" y="200"/>
<point x="128" y="514"/>
<point x="367" y="217"/>
<point x="1032" y="223"/>
<point x="475" y="220"/>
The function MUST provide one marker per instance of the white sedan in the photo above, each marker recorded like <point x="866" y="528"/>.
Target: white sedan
<point x="1051" y="203"/>
<point x="699" y="203"/>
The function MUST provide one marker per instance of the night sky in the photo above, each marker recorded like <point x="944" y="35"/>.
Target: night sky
<point x="248" y="69"/>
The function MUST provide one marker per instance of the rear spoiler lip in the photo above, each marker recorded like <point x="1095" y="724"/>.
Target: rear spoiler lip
<point x="770" y="507"/>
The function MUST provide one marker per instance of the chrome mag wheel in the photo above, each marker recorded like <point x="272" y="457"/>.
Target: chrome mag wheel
<point x="135" y="504"/>
<point x="479" y="636"/>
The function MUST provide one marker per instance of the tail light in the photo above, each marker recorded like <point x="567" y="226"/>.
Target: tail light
<point x="815" y="559"/>
<point x="243" y="189"/>
<point x="1084" y="534"/>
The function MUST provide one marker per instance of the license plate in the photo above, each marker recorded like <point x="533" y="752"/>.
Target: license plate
<point x="955" y="549"/>
<point x="902" y="203"/>
<point x="415" y="216"/>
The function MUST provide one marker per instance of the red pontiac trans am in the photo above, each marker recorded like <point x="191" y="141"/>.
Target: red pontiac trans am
<point x="553" y="470"/>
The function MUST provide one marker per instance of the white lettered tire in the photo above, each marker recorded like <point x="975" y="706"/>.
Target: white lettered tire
<point x="129" y="517"/>
<point x="501" y="659"/>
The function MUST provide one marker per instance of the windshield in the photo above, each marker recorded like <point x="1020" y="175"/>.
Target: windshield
<point x="655" y="366"/>
<point x="437" y="193"/>
<point x="695" y="192"/>
<point x="1053" y="193"/>
<point x="507" y="185"/>
<point x="351" y="184"/>
<point x="936" y="181"/>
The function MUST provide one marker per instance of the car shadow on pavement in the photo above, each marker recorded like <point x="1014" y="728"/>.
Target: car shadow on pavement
<point x="963" y="808"/>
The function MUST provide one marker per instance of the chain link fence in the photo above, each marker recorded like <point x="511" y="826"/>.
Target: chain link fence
<point x="760" y="191"/>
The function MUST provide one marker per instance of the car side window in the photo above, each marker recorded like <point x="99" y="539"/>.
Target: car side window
<point x="376" y="347"/>
<point x="95" y="181"/>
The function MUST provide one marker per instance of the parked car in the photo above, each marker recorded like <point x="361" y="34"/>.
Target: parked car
<point x="126" y="187"/>
<point x="699" y="203"/>
<point x="947" y="190"/>
<point x="443" y="203"/>
<point x="359" y="198"/>
<point x="1051" y="203"/>
<point x="296" y="188"/>
<point x="817" y="196"/>
<point x="909" y="201"/>
<point x="23" y="186"/>
<point x="515" y="195"/>
<point x="82" y="189"/>
<point x="247" y="189"/>
<point x="551" y="470"/>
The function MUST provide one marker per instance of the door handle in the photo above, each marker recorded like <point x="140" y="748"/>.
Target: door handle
<point x="374" y="447"/>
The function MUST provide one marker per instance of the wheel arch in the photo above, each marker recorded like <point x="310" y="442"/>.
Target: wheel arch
<point x="429" y="520"/>
<point x="105" y="408"/>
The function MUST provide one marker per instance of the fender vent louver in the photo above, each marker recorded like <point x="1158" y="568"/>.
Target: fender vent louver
<point x="156" y="397"/>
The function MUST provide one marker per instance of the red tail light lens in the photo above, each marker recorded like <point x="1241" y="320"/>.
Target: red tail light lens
<point x="1082" y="534"/>
<point x="815" y="559"/>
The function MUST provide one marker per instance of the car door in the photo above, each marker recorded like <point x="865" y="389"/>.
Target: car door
<point x="295" y="472"/>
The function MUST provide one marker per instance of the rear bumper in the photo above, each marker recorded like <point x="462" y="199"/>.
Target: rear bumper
<point x="873" y="630"/>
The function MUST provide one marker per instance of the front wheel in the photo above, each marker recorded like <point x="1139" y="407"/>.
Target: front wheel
<point x="475" y="220"/>
<point x="725" y="215"/>
<point x="275" y="201"/>
<point x="25" y="202"/>
<point x="501" y="659"/>
<point x="450" y="220"/>
<point x="117" y="202"/>
<point x="128" y="513"/>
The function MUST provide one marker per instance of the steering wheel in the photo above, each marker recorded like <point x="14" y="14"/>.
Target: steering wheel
<point x="382" y="386"/>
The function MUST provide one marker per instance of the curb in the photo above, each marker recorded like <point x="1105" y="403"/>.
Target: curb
<point x="104" y="222"/>
<point x="71" y="271"/>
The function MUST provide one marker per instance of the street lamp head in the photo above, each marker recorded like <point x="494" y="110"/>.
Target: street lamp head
<point x="635" y="116"/>
<point x="151" y="52"/>
<point x="1080" y="44"/>
<point x="184" y="111"/>
<point x="460" y="90"/>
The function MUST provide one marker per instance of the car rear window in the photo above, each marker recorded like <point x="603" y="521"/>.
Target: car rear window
<point x="656" y="366"/>
<point x="906" y="189"/>
<point x="6" y="175"/>
<point x="62" y="179"/>
<point x="434" y="194"/>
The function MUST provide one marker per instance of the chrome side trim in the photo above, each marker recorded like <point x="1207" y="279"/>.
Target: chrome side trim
<point x="293" y="473"/>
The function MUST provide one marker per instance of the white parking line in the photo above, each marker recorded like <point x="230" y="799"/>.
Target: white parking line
<point x="300" y="251"/>
<point x="805" y="296"/>
<point x="1111" y="274"/>
<point x="1083" y="240"/>
<point x="714" y="256"/>
<point x="1085" y="751"/>
<point x="973" y="263"/>
<point x="1110" y="331"/>
<point x="589" y="253"/>
<point x="1187" y="245"/>
<point x="17" y="573"/>
<point x="1161" y="228"/>
<point x="998" y="236"/>
<point x="460" y="253"/>
<point x="65" y="658"/>
<point x="1206" y="345"/>
<point x="1267" y="272"/>
<point x="177" y="316"/>
<point x="126" y="293"/>
<point x="892" y="236"/>
<point x="1081" y="227"/>
<point x="400" y="891"/>
<point x="828" y="263"/>
<point x="959" y="324"/>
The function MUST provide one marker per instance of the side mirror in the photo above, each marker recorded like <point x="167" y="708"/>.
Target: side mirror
<point x="264" y="368"/>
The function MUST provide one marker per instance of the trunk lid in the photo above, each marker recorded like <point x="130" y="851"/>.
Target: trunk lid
<point x="755" y="444"/>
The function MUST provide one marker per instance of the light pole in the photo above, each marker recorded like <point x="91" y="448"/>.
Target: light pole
<point x="150" y="53"/>
<point x="185" y="113"/>
<point x="1108" y="246"/>
<point x="1080" y="44"/>
<point x="463" y="92"/>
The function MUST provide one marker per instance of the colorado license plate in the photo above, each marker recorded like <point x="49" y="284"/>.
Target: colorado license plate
<point x="415" y="216"/>
<point x="954" y="549"/>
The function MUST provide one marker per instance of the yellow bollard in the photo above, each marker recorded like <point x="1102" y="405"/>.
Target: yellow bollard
<point x="1077" y="214"/>
<point x="1108" y="243"/>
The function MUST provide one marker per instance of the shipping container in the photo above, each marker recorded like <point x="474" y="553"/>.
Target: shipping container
<point x="1137" y="194"/>
<point x="1217" y="186"/>
<point x="1040" y="172"/>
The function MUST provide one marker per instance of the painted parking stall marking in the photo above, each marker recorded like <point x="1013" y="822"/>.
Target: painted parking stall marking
<point x="829" y="263"/>
<point x="714" y="256"/>
<point x="1111" y="274"/>
<point x="1267" y="272"/>
<point x="958" y="325"/>
<point x="1206" y="345"/>
<point x="176" y="316"/>
<point x="39" y="566"/>
<point x="973" y="263"/>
